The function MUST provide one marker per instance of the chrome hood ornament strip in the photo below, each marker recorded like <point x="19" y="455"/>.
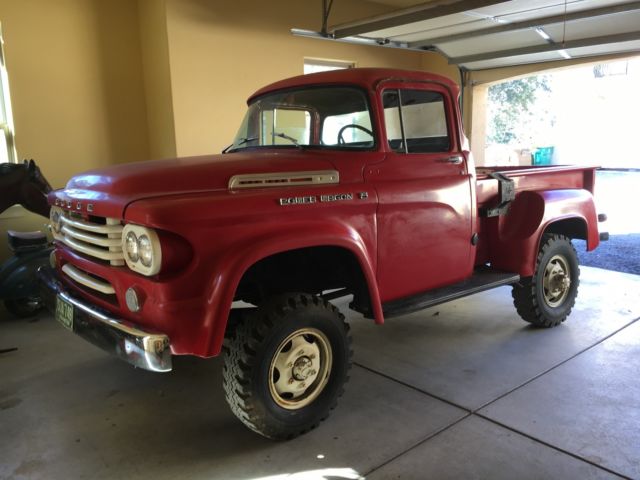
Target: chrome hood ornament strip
<point x="279" y="179"/>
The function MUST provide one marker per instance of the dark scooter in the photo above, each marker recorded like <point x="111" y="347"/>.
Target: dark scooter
<point x="23" y="184"/>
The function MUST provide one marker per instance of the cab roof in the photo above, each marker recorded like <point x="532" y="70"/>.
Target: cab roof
<point x="366" y="78"/>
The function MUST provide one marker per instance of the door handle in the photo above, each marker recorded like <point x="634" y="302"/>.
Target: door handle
<point x="455" y="160"/>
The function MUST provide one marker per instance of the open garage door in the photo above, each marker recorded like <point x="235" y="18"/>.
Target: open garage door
<point x="484" y="34"/>
<point x="582" y="115"/>
<point x="577" y="115"/>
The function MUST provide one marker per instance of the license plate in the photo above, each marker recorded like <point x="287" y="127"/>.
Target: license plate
<point x="64" y="313"/>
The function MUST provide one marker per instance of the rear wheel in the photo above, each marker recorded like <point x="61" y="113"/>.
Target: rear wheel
<point x="546" y="298"/>
<point x="285" y="365"/>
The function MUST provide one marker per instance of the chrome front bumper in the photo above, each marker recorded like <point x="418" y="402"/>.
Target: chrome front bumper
<point x="141" y="348"/>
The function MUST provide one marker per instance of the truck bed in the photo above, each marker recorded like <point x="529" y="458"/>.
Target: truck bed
<point x="533" y="178"/>
<point x="489" y="248"/>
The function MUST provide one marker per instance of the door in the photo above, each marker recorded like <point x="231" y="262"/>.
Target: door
<point x="424" y="191"/>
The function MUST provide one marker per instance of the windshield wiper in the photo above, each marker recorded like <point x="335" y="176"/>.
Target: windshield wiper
<point x="287" y="137"/>
<point x="241" y="142"/>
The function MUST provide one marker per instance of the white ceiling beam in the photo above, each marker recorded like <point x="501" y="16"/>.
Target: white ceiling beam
<point x="426" y="11"/>
<point x="536" y="22"/>
<point x="548" y="47"/>
<point x="375" y="42"/>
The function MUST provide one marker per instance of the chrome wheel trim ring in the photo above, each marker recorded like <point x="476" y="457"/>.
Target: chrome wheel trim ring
<point x="556" y="281"/>
<point x="300" y="368"/>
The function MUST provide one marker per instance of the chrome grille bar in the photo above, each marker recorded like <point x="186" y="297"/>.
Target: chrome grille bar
<point x="93" y="239"/>
<point x="99" y="240"/>
<point x="88" y="280"/>
<point x="91" y="251"/>
<point x="92" y="227"/>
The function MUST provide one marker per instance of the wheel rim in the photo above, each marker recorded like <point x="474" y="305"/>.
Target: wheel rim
<point x="300" y="368"/>
<point x="557" y="281"/>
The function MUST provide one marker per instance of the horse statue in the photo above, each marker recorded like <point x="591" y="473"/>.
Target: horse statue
<point x="24" y="184"/>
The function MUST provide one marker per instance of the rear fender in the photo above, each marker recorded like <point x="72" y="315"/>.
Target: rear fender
<point x="230" y="269"/>
<point x="514" y="247"/>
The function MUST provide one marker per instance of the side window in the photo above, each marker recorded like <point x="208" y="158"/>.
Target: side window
<point x="348" y="129"/>
<point x="417" y="118"/>
<point x="391" y="104"/>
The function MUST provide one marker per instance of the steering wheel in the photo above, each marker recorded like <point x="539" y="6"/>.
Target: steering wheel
<point x="352" y="125"/>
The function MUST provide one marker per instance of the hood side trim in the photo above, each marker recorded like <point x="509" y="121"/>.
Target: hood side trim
<point x="279" y="179"/>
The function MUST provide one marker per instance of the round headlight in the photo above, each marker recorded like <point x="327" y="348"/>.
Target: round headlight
<point x="146" y="250"/>
<point x="131" y="247"/>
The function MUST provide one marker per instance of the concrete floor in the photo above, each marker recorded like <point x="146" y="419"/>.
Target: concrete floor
<point x="463" y="390"/>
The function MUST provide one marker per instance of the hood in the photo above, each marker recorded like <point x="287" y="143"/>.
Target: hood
<point x="110" y="190"/>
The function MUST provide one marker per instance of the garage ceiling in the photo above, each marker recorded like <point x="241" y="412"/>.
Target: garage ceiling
<point x="482" y="34"/>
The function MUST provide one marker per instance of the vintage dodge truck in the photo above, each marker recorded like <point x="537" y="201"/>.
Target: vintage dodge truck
<point x="356" y="182"/>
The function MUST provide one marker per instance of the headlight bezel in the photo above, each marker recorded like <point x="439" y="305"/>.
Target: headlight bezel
<point x="137" y="265"/>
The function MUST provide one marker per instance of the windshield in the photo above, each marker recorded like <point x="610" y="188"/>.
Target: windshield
<point x="325" y="117"/>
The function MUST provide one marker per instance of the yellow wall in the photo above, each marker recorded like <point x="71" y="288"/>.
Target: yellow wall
<point x="221" y="52"/>
<point x="76" y="89"/>
<point x="157" y="79"/>
<point x="76" y="83"/>
<point x="436" y="63"/>
<point x="98" y="82"/>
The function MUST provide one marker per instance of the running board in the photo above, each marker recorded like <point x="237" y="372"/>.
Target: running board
<point x="483" y="279"/>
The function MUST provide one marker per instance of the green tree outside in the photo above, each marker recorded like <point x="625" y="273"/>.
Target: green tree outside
<point x="513" y="115"/>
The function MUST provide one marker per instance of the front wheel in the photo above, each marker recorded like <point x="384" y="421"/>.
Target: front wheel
<point x="546" y="298"/>
<point x="286" y="365"/>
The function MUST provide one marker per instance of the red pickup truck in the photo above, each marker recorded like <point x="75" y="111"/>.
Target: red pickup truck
<point x="355" y="182"/>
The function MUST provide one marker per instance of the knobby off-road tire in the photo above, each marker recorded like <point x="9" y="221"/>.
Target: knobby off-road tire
<point x="546" y="299"/>
<point x="286" y="364"/>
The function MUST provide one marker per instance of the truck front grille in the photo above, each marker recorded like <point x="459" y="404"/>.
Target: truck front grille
<point x="88" y="280"/>
<point x="93" y="238"/>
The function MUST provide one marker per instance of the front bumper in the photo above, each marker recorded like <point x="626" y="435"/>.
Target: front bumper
<point x="140" y="347"/>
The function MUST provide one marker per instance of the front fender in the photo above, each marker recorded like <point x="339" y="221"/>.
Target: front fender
<point x="515" y="247"/>
<point x="230" y="269"/>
